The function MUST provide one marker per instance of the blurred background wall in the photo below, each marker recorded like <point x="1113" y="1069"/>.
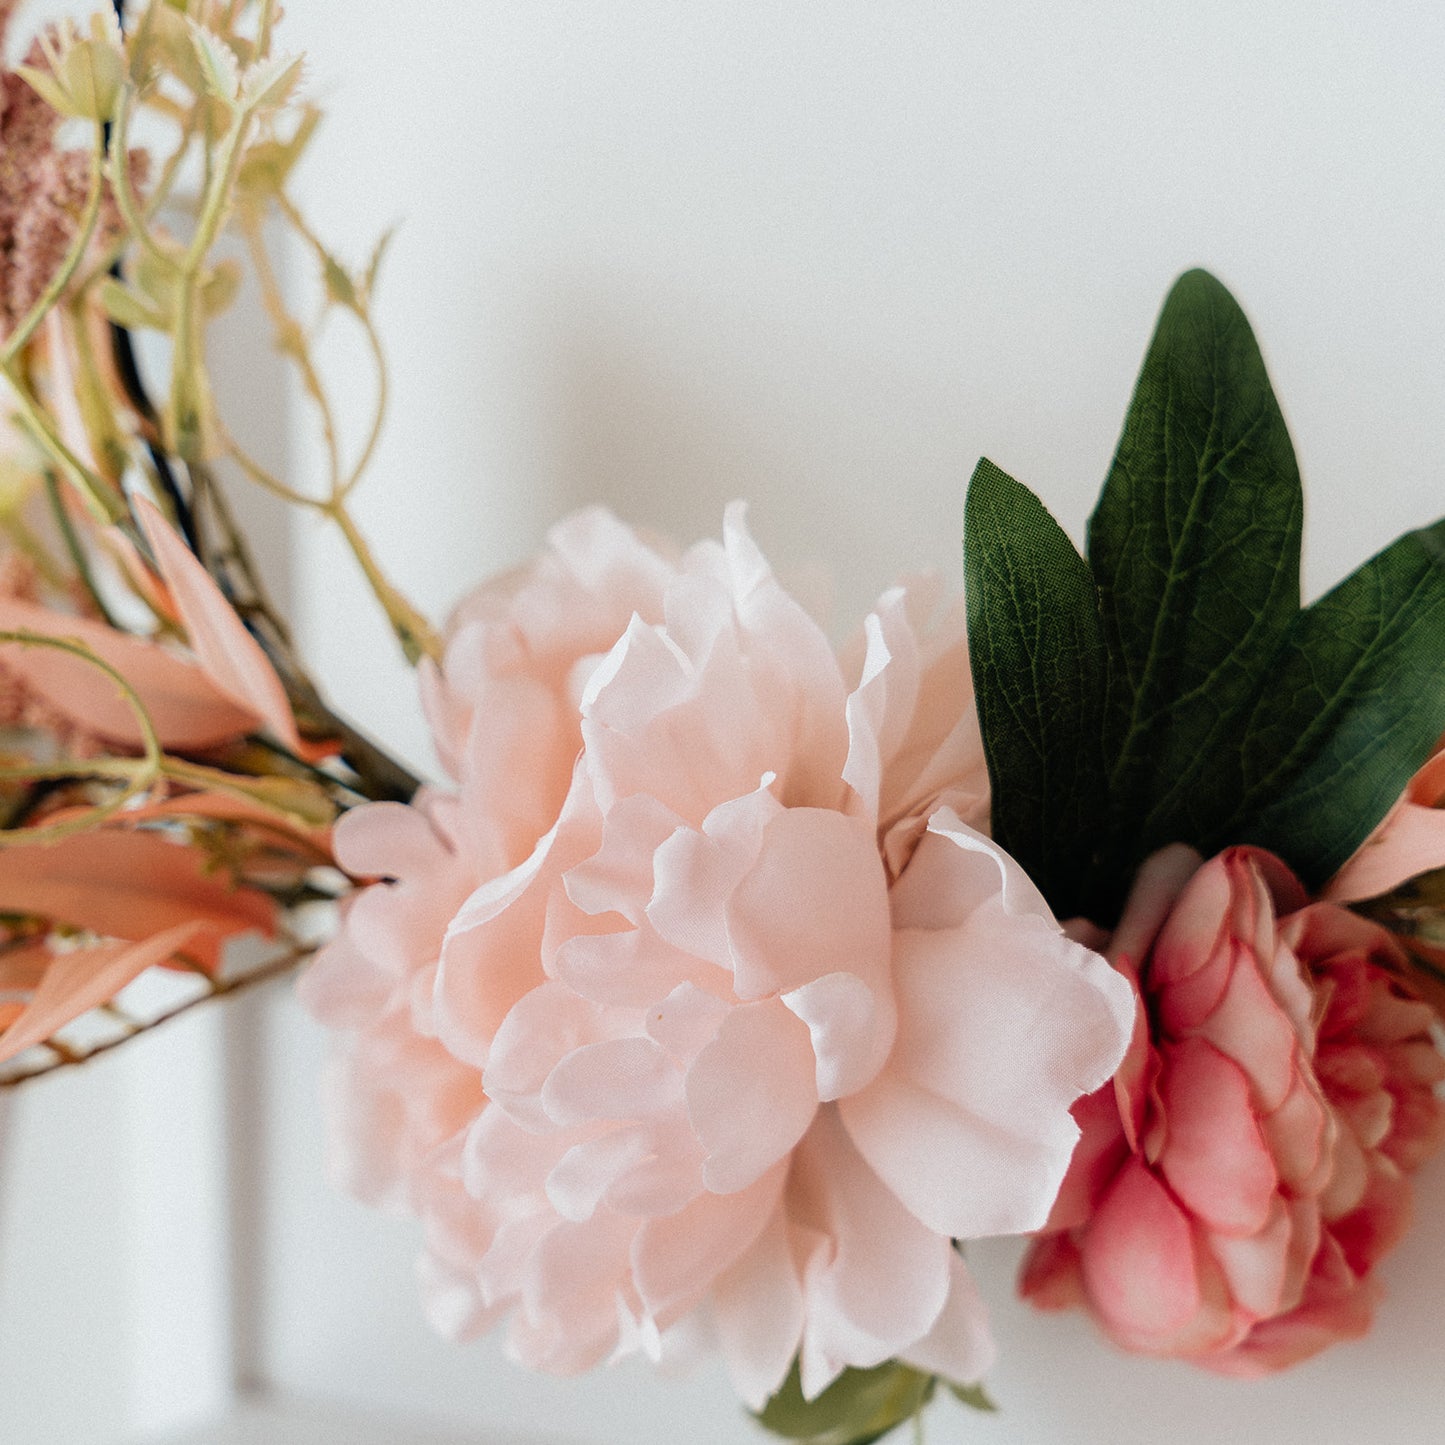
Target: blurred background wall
<point x="819" y="254"/>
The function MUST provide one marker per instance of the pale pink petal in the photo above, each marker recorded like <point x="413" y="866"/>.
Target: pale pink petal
<point x="632" y="966"/>
<point x="814" y="902"/>
<point x="960" y="1346"/>
<point x="852" y="1028"/>
<point x="519" y="760"/>
<point x="537" y="1033"/>
<point x="582" y="1177"/>
<point x="881" y="706"/>
<point x="697" y="872"/>
<point x="618" y="877"/>
<point x="792" y="668"/>
<point x="452" y="1301"/>
<point x="343" y="987"/>
<point x="664" y="1180"/>
<point x="955" y="872"/>
<point x="503" y="1161"/>
<point x="686" y="1021"/>
<point x="383" y="1132"/>
<point x="676" y="1259"/>
<point x="614" y="1079"/>
<point x="645" y="728"/>
<point x="1003" y="1023"/>
<point x="491" y="956"/>
<point x="569" y="1317"/>
<point x="751" y="1094"/>
<point x="757" y="1307"/>
<point x="447" y="713"/>
<point x="882" y="1284"/>
<point x="387" y="840"/>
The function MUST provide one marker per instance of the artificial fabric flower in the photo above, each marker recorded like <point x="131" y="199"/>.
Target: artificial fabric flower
<point x="704" y="996"/>
<point x="1249" y="1166"/>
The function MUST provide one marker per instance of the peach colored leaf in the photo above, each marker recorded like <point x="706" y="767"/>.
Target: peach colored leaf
<point x="81" y="980"/>
<point x="188" y="710"/>
<point x="137" y="572"/>
<point x="231" y="657"/>
<point x="21" y="969"/>
<point x="126" y="885"/>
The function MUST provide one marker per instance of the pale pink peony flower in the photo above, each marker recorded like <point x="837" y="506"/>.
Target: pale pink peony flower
<point x="703" y="1000"/>
<point x="1238" y="1182"/>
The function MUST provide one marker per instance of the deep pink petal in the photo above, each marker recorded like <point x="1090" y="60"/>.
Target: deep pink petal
<point x="1215" y="1158"/>
<point x="1139" y="1260"/>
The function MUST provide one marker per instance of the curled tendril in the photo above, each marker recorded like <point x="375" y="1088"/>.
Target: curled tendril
<point x="138" y="774"/>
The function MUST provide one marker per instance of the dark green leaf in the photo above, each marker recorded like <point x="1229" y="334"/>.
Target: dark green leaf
<point x="1039" y="671"/>
<point x="859" y="1407"/>
<point x="1195" y="545"/>
<point x="1354" y="704"/>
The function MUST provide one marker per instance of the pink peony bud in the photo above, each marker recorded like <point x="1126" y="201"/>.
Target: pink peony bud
<point x="1239" y="1180"/>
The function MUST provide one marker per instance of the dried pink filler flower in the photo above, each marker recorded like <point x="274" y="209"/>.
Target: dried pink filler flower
<point x="42" y="193"/>
<point x="703" y="1001"/>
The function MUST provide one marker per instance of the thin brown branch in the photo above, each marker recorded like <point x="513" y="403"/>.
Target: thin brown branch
<point x="66" y="1057"/>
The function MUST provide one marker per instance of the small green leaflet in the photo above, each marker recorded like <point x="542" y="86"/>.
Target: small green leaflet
<point x="858" y="1408"/>
<point x="1170" y="689"/>
<point x="975" y="1397"/>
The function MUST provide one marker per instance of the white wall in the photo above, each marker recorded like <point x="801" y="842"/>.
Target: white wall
<point x="821" y="254"/>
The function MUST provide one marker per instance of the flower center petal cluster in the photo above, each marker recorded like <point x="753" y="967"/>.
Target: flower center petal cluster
<point x="705" y="998"/>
